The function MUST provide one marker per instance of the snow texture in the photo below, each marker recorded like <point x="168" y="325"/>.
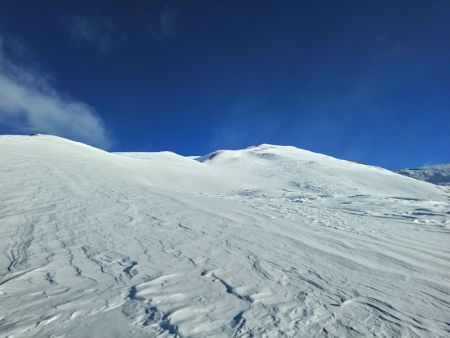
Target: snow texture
<point x="437" y="174"/>
<point x="268" y="241"/>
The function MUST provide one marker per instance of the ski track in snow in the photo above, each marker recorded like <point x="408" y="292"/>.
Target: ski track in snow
<point x="88" y="254"/>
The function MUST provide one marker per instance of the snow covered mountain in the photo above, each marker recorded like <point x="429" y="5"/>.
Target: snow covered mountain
<point x="267" y="241"/>
<point x="436" y="174"/>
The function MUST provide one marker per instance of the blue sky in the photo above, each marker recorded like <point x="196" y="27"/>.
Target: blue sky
<point x="360" y="80"/>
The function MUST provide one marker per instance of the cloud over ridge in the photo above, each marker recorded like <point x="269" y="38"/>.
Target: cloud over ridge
<point x="28" y="104"/>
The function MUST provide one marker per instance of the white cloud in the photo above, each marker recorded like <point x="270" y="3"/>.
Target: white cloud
<point x="28" y="104"/>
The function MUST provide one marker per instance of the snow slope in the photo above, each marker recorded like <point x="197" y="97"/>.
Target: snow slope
<point x="437" y="174"/>
<point x="267" y="241"/>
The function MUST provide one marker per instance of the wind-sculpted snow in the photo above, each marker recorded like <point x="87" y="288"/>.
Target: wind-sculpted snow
<point x="262" y="242"/>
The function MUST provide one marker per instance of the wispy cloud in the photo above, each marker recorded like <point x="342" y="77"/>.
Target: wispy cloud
<point x="168" y="22"/>
<point x="30" y="104"/>
<point x="163" y="23"/>
<point x="98" y="32"/>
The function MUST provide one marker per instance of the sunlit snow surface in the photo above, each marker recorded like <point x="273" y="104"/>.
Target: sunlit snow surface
<point x="262" y="242"/>
<point x="437" y="174"/>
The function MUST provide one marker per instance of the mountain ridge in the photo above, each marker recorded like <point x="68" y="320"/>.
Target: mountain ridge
<point x="437" y="174"/>
<point x="262" y="242"/>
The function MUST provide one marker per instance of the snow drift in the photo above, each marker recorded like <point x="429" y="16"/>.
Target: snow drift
<point x="266" y="241"/>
